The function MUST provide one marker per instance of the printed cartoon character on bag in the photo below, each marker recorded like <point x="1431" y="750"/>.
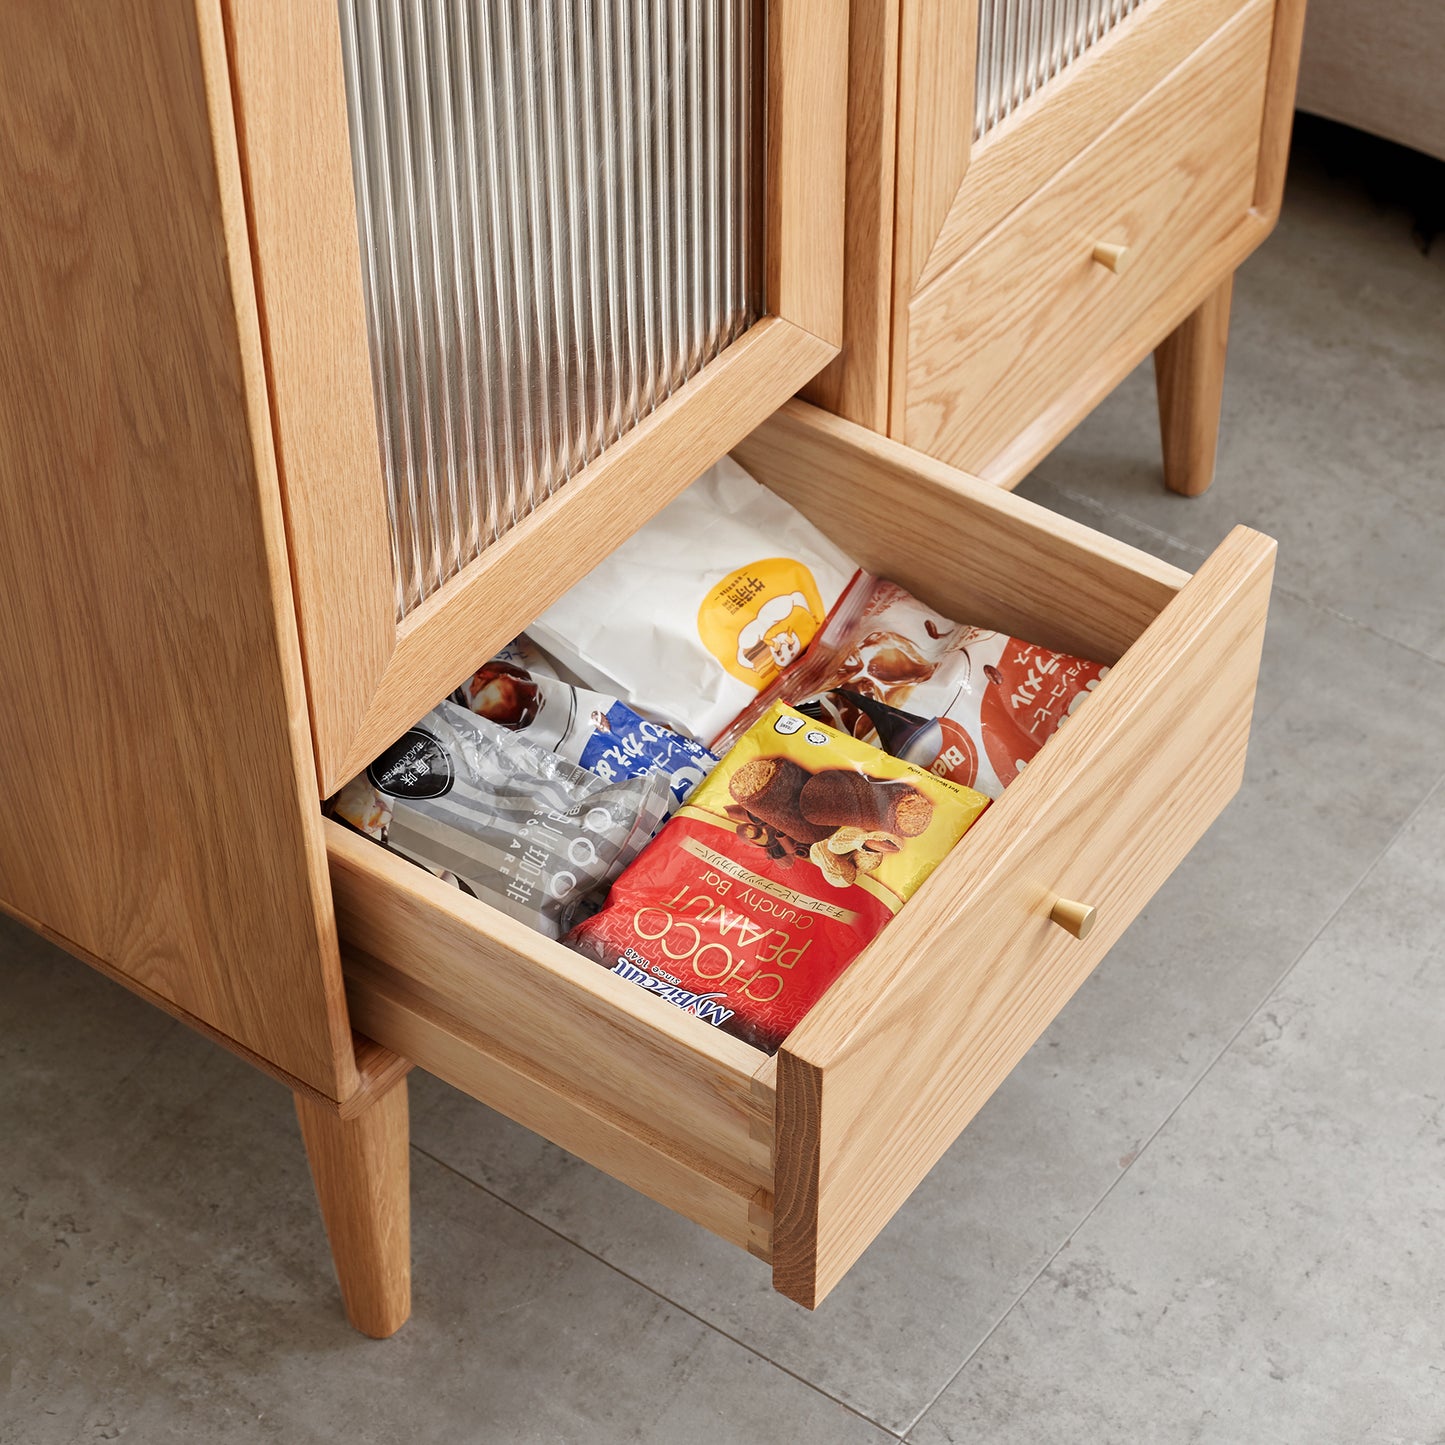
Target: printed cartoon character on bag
<point x="759" y="619"/>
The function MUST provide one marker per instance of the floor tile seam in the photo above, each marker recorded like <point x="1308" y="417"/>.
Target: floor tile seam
<point x="1122" y="514"/>
<point x="654" y="1291"/>
<point x="1336" y="615"/>
<point x="1208" y="1069"/>
<point x="152" y="1049"/>
<point x="1109" y="510"/>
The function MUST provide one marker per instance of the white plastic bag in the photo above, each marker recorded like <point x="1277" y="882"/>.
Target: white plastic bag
<point x="691" y="617"/>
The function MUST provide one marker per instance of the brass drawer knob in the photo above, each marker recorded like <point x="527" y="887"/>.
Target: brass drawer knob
<point x="1075" y="918"/>
<point x="1112" y="256"/>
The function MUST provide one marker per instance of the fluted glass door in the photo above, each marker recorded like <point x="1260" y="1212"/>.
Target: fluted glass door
<point x="557" y="207"/>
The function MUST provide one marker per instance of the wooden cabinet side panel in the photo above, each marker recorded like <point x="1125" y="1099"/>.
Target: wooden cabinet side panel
<point x="156" y="765"/>
<point x="1278" y="123"/>
<point x="855" y="383"/>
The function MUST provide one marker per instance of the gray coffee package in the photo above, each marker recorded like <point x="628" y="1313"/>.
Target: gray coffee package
<point x="503" y="819"/>
<point x="520" y="690"/>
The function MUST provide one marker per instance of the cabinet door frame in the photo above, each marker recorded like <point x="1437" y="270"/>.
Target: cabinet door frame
<point x="369" y="676"/>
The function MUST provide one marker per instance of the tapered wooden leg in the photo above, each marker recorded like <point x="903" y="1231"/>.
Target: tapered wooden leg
<point x="1189" y="376"/>
<point x="363" y="1183"/>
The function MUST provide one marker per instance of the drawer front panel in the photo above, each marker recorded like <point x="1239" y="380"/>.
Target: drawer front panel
<point x="885" y="1073"/>
<point x="1015" y="321"/>
<point x="803" y="1158"/>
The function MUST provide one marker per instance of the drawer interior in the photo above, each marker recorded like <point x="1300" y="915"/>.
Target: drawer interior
<point x="802" y="1157"/>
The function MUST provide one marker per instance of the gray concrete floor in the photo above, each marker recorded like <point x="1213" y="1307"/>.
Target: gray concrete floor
<point x="1209" y="1206"/>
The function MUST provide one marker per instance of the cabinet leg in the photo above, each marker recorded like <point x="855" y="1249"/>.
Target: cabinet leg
<point x="362" y="1174"/>
<point x="1189" y="377"/>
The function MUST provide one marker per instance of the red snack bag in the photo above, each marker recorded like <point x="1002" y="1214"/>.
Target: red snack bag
<point x="970" y="705"/>
<point x="778" y="871"/>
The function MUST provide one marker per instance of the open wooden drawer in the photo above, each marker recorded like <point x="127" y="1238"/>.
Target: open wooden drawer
<point x="804" y="1157"/>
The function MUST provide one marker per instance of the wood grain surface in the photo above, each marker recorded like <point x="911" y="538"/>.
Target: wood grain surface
<point x="1189" y="378"/>
<point x="855" y="383"/>
<point x="1094" y="381"/>
<point x="1013" y="323"/>
<point x="805" y="172"/>
<point x="156" y="765"/>
<point x="361" y="1167"/>
<point x="957" y="542"/>
<point x="1016" y="158"/>
<point x="561" y="1045"/>
<point x="909" y="87"/>
<point x="937" y="53"/>
<point x="1284" y="58"/>
<point x="296" y="161"/>
<point x="910" y="1042"/>
<point x="727" y="1195"/>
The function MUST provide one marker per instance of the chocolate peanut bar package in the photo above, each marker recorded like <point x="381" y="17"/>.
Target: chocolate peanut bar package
<point x="969" y="705"/>
<point x="501" y="818"/>
<point x="519" y="690"/>
<point x="702" y="608"/>
<point x="798" y="848"/>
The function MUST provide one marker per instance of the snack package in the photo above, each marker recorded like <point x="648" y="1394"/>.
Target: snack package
<point x="699" y="611"/>
<point x="503" y="819"/>
<point x="520" y="690"/>
<point x="970" y="705"/>
<point x="775" y="875"/>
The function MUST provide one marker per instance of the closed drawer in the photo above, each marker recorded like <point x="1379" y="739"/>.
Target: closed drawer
<point x="803" y="1158"/>
<point x="1015" y="322"/>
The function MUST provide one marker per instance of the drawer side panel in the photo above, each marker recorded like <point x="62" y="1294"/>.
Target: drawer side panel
<point x="724" y="1196"/>
<point x="597" y="1065"/>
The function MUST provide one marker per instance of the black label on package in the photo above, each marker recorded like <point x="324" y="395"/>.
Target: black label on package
<point x="415" y="766"/>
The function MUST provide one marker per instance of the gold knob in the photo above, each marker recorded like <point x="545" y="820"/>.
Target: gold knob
<point x="1075" y="918"/>
<point x="1112" y="256"/>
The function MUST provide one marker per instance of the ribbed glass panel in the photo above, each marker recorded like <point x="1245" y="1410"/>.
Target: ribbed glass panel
<point x="1023" y="44"/>
<point x="555" y="211"/>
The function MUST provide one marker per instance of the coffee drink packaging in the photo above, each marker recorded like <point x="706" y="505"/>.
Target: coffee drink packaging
<point x="519" y="689"/>
<point x="704" y="607"/>
<point x="798" y="848"/>
<point x="970" y="705"/>
<point x="503" y="819"/>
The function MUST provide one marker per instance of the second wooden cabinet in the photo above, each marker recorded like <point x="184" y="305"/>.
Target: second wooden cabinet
<point x="1039" y="195"/>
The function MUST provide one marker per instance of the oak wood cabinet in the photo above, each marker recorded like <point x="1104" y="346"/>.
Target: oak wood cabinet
<point x="206" y="626"/>
<point x="1041" y="193"/>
